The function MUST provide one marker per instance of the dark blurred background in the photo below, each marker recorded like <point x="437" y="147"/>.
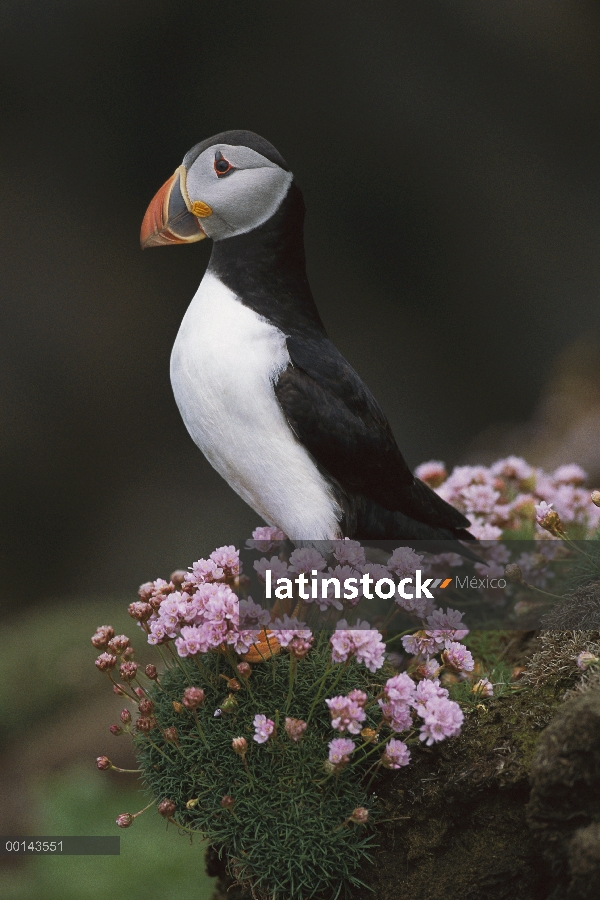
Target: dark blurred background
<point x="449" y="155"/>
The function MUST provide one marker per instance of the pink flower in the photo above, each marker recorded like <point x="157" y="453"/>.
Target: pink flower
<point x="278" y="569"/>
<point x="265" y="537"/>
<point x="512" y="467"/>
<point x="204" y="570"/>
<point x="483" y="688"/>
<point x="340" y="750"/>
<point x="228" y="559"/>
<point x="305" y="559"/>
<point x="346" y="714"/>
<point x="400" y="688"/>
<point x="542" y="509"/>
<point x="480" y="498"/>
<point x="362" y="642"/>
<point x="396" y="714"/>
<point x="349" y="553"/>
<point x="252" y="615"/>
<point x="404" y="562"/>
<point x="432" y="473"/>
<point x="289" y="629"/>
<point x="586" y="659"/>
<point x="263" y="728"/>
<point x="570" y="474"/>
<point x="457" y="657"/>
<point x="442" y="718"/>
<point x="396" y="754"/>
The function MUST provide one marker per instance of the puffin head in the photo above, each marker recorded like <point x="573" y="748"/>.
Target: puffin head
<point x="227" y="185"/>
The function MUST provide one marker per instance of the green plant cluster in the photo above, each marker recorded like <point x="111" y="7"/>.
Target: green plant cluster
<point x="287" y="833"/>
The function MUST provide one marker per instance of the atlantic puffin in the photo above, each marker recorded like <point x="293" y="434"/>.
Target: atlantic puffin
<point x="263" y="392"/>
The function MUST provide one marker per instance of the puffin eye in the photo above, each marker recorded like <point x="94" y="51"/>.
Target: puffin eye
<point x="222" y="165"/>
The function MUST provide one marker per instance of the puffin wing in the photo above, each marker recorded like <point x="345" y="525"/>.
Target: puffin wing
<point x="335" y="416"/>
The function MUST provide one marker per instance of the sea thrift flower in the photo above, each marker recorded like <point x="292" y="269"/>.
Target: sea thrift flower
<point x="102" y="636"/>
<point x="265" y="537"/>
<point x="116" y="730"/>
<point x="166" y="808"/>
<point x="146" y="723"/>
<point x="228" y="559"/>
<point x="395" y="755"/>
<point x="362" y="642"/>
<point x="171" y="735"/>
<point x="548" y="518"/>
<point x="227" y="801"/>
<point x="106" y="662"/>
<point x="193" y="697"/>
<point x="570" y="474"/>
<point x="146" y="706"/>
<point x="432" y="473"/>
<point x="457" y="657"/>
<point x="127" y="670"/>
<point x="206" y="570"/>
<point x="125" y="716"/>
<point x="404" y="562"/>
<point x="305" y="559"/>
<point x="294" y="728"/>
<point x="103" y="763"/>
<point x="276" y="566"/>
<point x="513" y="573"/>
<point x="263" y="728"/>
<point x="118" y="644"/>
<point x="240" y="746"/>
<point x="483" y="688"/>
<point x="125" y="820"/>
<point x="152" y="672"/>
<point x="245" y="669"/>
<point x="442" y="718"/>
<point x="360" y="816"/>
<point x="140" y="610"/>
<point x="346" y="714"/>
<point x="586" y="659"/>
<point x="349" y="553"/>
<point x="340" y="750"/>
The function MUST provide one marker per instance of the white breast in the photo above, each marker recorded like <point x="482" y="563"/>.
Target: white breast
<point x="223" y="365"/>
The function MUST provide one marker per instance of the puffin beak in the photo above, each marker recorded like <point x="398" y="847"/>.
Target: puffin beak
<point x="171" y="218"/>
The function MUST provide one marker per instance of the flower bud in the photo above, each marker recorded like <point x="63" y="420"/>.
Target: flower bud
<point x="227" y="802"/>
<point x="513" y="573"/>
<point x="116" y="730"/>
<point x="178" y="577"/>
<point x="483" y="688"/>
<point x="360" y="816"/>
<point x="146" y="707"/>
<point x="294" y="728"/>
<point x="240" y="745"/>
<point x="171" y="735"/>
<point x="106" y="662"/>
<point x="140" y="611"/>
<point x="103" y="763"/>
<point x="118" y="644"/>
<point x="193" y="803"/>
<point x="146" y="590"/>
<point x="139" y="692"/>
<point x="166" y="808"/>
<point x="369" y="735"/>
<point x="146" y="723"/>
<point x="193" y="697"/>
<point x="595" y="498"/>
<point x="102" y="636"/>
<point x="125" y="820"/>
<point x="151" y="672"/>
<point x="245" y="670"/>
<point x="128" y="653"/>
<point x="586" y="659"/>
<point x="127" y="670"/>
<point x="125" y="716"/>
<point x="178" y="707"/>
<point x="119" y="689"/>
<point x="229" y="704"/>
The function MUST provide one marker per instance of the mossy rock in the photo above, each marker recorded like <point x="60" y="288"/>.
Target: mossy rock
<point x="459" y="823"/>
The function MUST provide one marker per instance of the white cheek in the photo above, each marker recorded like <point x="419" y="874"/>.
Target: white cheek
<point x="241" y="201"/>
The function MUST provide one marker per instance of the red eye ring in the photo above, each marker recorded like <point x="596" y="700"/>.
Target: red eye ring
<point x="222" y="165"/>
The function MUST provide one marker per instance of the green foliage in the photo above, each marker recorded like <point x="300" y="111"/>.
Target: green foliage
<point x="287" y="833"/>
